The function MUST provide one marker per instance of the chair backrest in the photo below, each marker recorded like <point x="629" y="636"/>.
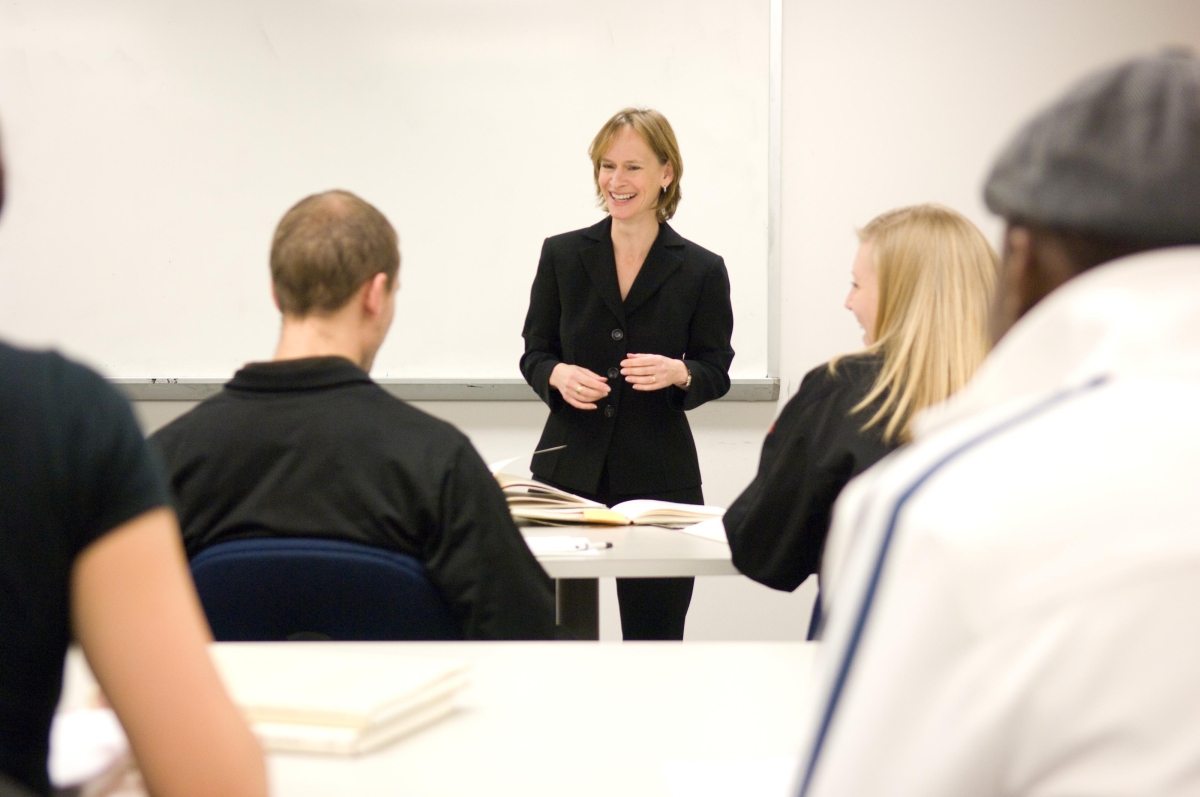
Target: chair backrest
<point x="278" y="588"/>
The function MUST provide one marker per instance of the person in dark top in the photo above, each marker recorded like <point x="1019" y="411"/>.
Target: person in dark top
<point x="88" y="548"/>
<point x="922" y="283"/>
<point x="629" y="327"/>
<point x="309" y="446"/>
<point x="777" y="526"/>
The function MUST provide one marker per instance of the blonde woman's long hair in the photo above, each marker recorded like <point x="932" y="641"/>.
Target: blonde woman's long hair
<point x="936" y="274"/>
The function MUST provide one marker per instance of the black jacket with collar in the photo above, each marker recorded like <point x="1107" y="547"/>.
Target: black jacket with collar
<point x="315" y="448"/>
<point x="678" y="306"/>
<point x="778" y="525"/>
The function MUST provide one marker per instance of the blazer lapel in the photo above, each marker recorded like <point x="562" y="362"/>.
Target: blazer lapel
<point x="665" y="256"/>
<point x="601" y="266"/>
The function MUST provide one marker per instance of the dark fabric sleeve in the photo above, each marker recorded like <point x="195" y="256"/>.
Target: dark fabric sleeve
<point x="481" y="563"/>
<point x="543" y="347"/>
<point x="709" y="351"/>
<point x="113" y="476"/>
<point x="777" y="526"/>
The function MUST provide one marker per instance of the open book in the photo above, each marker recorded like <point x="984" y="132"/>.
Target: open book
<point x="319" y="698"/>
<point x="531" y="500"/>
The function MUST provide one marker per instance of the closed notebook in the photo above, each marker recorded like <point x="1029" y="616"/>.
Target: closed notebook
<point x="328" y="698"/>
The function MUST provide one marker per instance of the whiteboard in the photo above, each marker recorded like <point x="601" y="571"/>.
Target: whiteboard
<point x="152" y="146"/>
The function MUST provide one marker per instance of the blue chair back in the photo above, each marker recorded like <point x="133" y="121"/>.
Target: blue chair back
<point x="270" y="589"/>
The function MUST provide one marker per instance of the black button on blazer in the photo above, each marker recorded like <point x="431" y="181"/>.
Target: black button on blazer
<point x="678" y="307"/>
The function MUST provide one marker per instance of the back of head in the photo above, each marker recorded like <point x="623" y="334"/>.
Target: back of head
<point x="1113" y="167"/>
<point x="936" y="274"/>
<point x="325" y="248"/>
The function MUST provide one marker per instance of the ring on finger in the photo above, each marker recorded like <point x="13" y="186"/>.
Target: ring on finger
<point x="653" y="378"/>
<point x="578" y="389"/>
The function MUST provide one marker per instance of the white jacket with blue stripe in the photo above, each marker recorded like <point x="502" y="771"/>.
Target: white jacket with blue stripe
<point x="1014" y="599"/>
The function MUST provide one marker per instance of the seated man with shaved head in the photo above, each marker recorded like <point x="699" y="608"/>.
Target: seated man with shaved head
<point x="307" y="445"/>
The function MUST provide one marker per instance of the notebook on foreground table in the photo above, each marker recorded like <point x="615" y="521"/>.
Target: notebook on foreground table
<point x="321" y="698"/>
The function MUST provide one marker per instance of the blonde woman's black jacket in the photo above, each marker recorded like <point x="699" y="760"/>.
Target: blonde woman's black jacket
<point x="678" y="307"/>
<point x="777" y="526"/>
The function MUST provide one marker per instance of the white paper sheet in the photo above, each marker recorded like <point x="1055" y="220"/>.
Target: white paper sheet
<point x="560" y="545"/>
<point x="84" y="743"/>
<point x="711" y="529"/>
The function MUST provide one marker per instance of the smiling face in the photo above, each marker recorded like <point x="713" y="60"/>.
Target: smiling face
<point x="631" y="179"/>
<point x="863" y="299"/>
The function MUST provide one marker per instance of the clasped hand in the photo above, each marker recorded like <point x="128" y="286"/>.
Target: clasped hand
<point x="581" y="388"/>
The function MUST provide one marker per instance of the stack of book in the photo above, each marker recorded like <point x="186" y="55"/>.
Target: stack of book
<point x="320" y="697"/>
<point x="532" y="501"/>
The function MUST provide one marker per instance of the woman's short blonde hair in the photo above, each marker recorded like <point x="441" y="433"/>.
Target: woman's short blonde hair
<point x="656" y="131"/>
<point x="936" y="275"/>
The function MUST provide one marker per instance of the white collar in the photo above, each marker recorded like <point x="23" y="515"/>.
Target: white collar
<point x="1134" y="316"/>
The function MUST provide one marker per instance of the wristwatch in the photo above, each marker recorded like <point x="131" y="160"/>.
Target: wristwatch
<point x="687" y="383"/>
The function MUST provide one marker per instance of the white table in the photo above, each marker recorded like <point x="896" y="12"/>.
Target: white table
<point x="636" y="552"/>
<point x="580" y="719"/>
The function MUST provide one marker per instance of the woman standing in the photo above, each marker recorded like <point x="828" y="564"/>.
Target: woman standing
<point x="921" y="285"/>
<point x="628" y="327"/>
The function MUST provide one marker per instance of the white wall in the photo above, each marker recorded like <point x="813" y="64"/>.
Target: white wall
<point x="174" y="136"/>
<point x="892" y="103"/>
<point x="885" y="104"/>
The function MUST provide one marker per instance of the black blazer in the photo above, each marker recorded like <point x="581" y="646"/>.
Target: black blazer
<point x="678" y="307"/>
<point x="777" y="526"/>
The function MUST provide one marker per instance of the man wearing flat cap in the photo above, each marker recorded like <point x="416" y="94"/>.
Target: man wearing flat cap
<point x="1015" y="598"/>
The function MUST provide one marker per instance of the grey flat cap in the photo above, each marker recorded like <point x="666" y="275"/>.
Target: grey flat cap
<point x="1118" y="156"/>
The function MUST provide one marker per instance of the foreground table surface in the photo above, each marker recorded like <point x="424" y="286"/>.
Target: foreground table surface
<point x="582" y="719"/>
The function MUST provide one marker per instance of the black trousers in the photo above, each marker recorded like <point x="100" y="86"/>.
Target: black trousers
<point x="651" y="608"/>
